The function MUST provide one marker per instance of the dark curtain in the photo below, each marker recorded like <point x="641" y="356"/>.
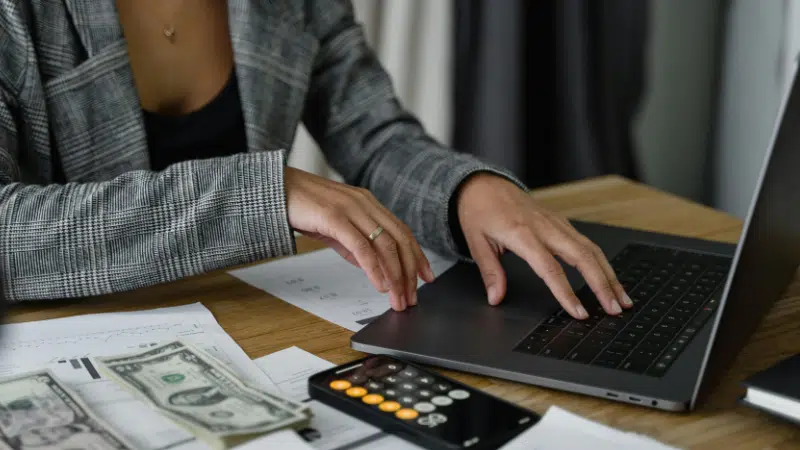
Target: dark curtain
<point x="549" y="88"/>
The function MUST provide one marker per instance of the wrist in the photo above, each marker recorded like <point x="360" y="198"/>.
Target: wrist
<point x="474" y="185"/>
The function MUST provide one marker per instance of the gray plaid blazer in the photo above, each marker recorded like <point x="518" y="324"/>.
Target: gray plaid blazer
<point x="67" y="95"/>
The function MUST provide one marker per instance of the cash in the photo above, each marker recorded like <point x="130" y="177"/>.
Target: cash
<point x="39" y="412"/>
<point x="190" y="387"/>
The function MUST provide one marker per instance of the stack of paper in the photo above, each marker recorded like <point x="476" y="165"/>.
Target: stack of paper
<point x="327" y="286"/>
<point x="69" y="348"/>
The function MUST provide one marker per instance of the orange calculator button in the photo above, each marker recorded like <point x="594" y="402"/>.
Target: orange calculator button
<point x="389" y="406"/>
<point x="406" y="414"/>
<point x="356" y="391"/>
<point x="339" y="385"/>
<point x="372" y="399"/>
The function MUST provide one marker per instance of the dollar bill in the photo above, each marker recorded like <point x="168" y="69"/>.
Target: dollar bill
<point x="190" y="387"/>
<point x="178" y="344"/>
<point x="39" y="412"/>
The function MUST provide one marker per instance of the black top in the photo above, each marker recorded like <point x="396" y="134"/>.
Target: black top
<point x="217" y="129"/>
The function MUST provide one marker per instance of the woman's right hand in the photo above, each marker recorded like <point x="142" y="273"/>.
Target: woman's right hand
<point x="343" y="217"/>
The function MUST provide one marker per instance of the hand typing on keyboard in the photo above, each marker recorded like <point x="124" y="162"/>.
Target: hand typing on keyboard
<point x="674" y="292"/>
<point x="495" y="215"/>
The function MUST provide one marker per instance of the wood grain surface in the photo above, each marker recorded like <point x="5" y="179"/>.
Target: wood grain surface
<point x="262" y="324"/>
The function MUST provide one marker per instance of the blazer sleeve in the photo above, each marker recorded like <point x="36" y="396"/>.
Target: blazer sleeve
<point x="368" y="137"/>
<point x="142" y="228"/>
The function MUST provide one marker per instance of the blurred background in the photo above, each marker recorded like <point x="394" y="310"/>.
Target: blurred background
<point x="679" y="94"/>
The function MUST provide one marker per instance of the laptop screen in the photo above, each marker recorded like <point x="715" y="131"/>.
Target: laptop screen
<point x="768" y="253"/>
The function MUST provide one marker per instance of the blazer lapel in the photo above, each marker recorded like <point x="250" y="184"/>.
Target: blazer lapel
<point x="97" y="23"/>
<point x="274" y="59"/>
<point x="105" y="137"/>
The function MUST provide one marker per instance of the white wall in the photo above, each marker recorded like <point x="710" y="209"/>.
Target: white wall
<point x="760" y="46"/>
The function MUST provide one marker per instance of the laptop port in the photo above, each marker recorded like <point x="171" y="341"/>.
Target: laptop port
<point x="634" y="399"/>
<point x="611" y="394"/>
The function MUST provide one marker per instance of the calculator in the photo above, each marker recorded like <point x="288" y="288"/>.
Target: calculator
<point x="422" y="407"/>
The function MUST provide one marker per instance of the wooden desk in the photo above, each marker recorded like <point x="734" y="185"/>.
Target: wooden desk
<point x="262" y="324"/>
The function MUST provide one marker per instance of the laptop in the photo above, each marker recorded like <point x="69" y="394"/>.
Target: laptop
<point x="697" y="302"/>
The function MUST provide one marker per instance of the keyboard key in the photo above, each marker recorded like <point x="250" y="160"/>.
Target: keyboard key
<point x="667" y="329"/>
<point x="597" y="340"/>
<point x="636" y="365"/>
<point x="621" y="354"/>
<point x="621" y="346"/>
<point x="690" y="331"/>
<point x="695" y="298"/>
<point x="682" y="341"/>
<point x="611" y="323"/>
<point x="584" y="353"/>
<point x="604" y="332"/>
<point x="629" y="335"/>
<point x="660" y="303"/>
<point x="647" y="318"/>
<point x="608" y="359"/>
<point x="652" y="344"/>
<point x="642" y="327"/>
<point x="544" y="330"/>
<point x="660" y="335"/>
<point x="560" y="347"/>
<point x="580" y="325"/>
<point x="658" y="369"/>
<point x="645" y="354"/>
<point x="608" y="363"/>
<point x="575" y="332"/>
<point x="669" y="356"/>
<point x="556" y="322"/>
<point x="684" y="312"/>
<point x="672" y="319"/>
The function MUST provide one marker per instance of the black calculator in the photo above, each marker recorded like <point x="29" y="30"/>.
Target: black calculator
<point x="427" y="409"/>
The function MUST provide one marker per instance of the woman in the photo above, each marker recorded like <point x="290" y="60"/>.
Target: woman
<point x="144" y="140"/>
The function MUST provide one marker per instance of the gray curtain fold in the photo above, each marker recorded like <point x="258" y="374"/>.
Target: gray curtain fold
<point x="548" y="89"/>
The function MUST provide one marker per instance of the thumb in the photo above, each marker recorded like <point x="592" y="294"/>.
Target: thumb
<point x="494" y="278"/>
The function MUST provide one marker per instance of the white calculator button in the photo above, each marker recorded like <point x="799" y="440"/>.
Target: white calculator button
<point x="424" y="407"/>
<point x="441" y="400"/>
<point x="459" y="394"/>
<point x="432" y="420"/>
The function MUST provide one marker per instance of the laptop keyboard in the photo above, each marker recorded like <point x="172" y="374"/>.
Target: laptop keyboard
<point x="674" y="294"/>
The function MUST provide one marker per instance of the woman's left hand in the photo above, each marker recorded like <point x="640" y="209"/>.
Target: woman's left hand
<point x="496" y="215"/>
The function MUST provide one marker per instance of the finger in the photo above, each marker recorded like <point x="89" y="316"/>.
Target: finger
<point x="582" y="257"/>
<point x="525" y="244"/>
<point x="407" y="257"/>
<point x="397" y="228"/>
<point x="619" y="291"/>
<point x="388" y="256"/>
<point x="489" y="265"/>
<point x="352" y="239"/>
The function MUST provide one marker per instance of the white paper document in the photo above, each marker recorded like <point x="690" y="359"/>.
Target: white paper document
<point x="68" y="347"/>
<point x="324" y="284"/>
<point x="563" y="430"/>
<point x="330" y="429"/>
<point x="279" y="440"/>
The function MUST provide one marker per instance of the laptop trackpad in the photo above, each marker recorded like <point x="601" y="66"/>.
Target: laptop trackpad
<point x="462" y="288"/>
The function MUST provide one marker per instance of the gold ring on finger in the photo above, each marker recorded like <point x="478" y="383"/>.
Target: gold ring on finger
<point x="374" y="235"/>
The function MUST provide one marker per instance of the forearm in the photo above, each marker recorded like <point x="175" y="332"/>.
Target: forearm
<point x="142" y="228"/>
